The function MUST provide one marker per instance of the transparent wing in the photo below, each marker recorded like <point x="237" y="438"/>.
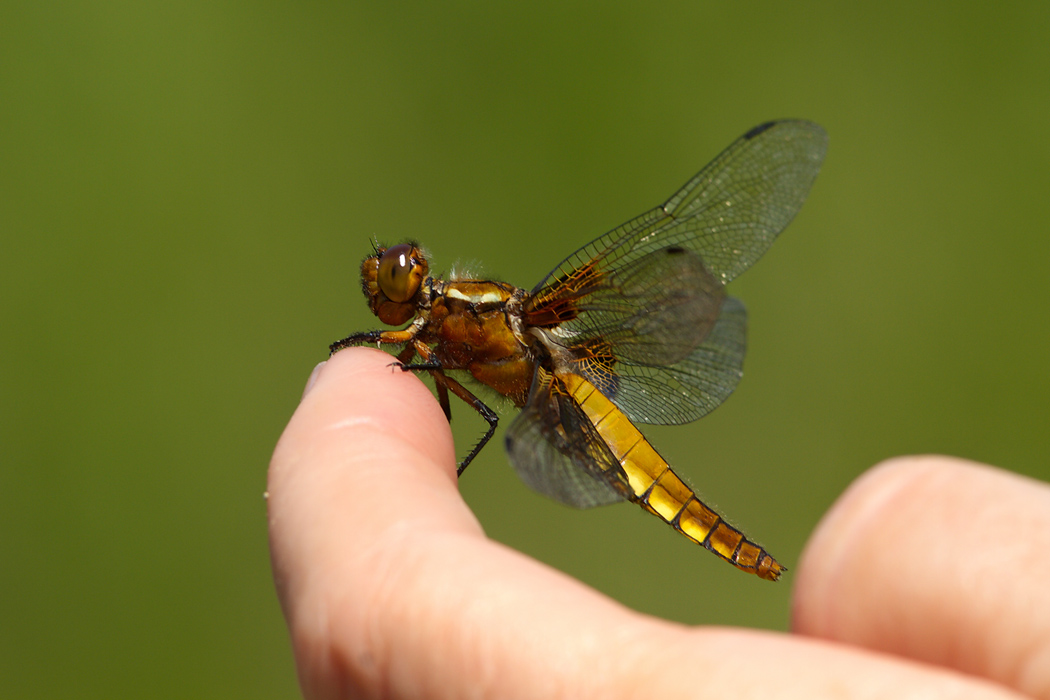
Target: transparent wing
<point x="653" y="309"/>
<point x="686" y="390"/>
<point x="556" y="451"/>
<point x="729" y="213"/>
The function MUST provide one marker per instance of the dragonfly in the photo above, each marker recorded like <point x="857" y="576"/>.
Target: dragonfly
<point x="634" y="327"/>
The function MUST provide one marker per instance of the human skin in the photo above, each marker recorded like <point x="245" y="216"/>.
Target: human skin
<point x="929" y="578"/>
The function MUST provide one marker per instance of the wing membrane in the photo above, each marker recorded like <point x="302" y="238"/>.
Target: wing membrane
<point x="654" y="309"/>
<point x="686" y="390"/>
<point x="556" y="451"/>
<point x="729" y="213"/>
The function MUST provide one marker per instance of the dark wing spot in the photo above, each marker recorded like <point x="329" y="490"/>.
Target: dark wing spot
<point x="758" y="130"/>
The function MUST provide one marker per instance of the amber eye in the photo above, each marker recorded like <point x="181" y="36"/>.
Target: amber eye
<point x="399" y="273"/>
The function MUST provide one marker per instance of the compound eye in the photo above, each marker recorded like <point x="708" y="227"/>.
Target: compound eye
<point x="400" y="273"/>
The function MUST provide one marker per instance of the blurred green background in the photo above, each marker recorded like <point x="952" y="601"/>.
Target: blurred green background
<point x="186" y="190"/>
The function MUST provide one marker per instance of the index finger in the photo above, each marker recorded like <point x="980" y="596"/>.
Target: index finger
<point x="384" y="574"/>
<point x="378" y="446"/>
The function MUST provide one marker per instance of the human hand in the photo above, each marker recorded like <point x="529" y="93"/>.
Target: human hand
<point x="929" y="578"/>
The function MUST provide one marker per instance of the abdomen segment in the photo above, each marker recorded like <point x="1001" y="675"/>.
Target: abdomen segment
<point x="660" y="491"/>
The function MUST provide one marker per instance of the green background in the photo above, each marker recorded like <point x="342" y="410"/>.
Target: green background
<point x="186" y="190"/>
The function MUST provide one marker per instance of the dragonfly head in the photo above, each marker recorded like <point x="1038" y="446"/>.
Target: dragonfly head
<point x="392" y="280"/>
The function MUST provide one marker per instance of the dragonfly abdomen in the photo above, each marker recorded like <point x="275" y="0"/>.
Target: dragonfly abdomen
<point x="656" y="488"/>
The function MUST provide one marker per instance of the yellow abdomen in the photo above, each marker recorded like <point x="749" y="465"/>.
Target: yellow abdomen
<point x="660" y="491"/>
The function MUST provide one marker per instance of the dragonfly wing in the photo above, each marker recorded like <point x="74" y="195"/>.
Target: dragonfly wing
<point x="729" y="213"/>
<point x="557" y="452"/>
<point x="688" y="389"/>
<point x="654" y="309"/>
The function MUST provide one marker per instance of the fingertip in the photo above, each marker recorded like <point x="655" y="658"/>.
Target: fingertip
<point x="366" y="387"/>
<point x="367" y="445"/>
<point x="833" y="560"/>
<point x="882" y="530"/>
<point x="312" y="379"/>
<point x="938" y="559"/>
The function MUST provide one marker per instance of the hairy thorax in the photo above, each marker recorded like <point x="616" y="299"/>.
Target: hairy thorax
<point x="472" y="327"/>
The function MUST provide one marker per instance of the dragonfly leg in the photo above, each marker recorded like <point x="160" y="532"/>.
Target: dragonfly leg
<point x="432" y="366"/>
<point x="478" y="405"/>
<point x="442" y="391"/>
<point x="405" y="356"/>
<point x="440" y="381"/>
<point x="444" y="384"/>
<point x="370" y="337"/>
